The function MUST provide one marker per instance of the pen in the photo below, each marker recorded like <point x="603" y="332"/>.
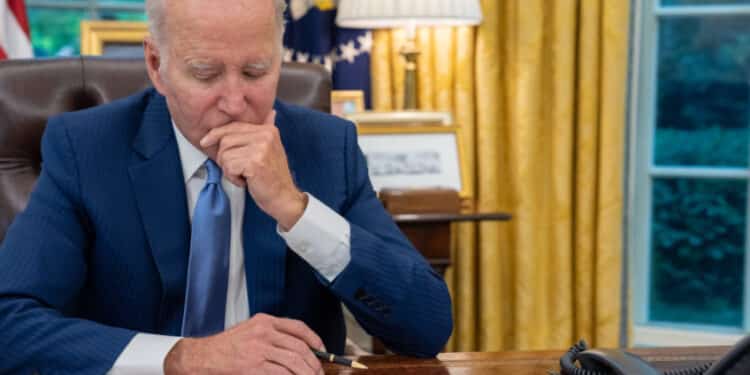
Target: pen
<point x="328" y="357"/>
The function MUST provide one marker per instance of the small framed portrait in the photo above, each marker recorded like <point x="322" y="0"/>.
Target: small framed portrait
<point x="113" y="38"/>
<point x="415" y="157"/>
<point x="347" y="102"/>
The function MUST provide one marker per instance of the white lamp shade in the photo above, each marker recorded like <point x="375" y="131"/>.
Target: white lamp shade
<point x="376" y="14"/>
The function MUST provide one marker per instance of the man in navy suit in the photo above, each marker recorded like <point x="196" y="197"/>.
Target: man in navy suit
<point x="106" y="271"/>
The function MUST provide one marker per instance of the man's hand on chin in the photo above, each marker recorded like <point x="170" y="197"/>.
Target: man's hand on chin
<point x="263" y="344"/>
<point x="252" y="155"/>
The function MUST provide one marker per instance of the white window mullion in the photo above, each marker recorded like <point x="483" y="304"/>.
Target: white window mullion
<point x="723" y="173"/>
<point x="699" y="10"/>
<point x="93" y="6"/>
<point x="56" y="4"/>
<point x="93" y="13"/>
<point x="642" y="117"/>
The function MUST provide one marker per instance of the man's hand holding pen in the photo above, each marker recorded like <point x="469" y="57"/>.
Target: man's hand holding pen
<point x="263" y="344"/>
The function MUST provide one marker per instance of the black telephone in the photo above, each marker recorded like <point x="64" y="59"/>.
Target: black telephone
<point x="616" y="362"/>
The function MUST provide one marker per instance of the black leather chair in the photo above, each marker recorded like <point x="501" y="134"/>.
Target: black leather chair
<point x="33" y="90"/>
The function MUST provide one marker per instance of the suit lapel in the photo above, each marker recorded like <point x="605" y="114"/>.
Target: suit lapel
<point x="265" y="250"/>
<point x="156" y="176"/>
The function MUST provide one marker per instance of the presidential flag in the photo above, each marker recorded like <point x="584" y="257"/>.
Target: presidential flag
<point x="15" y="38"/>
<point x="313" y="37"/>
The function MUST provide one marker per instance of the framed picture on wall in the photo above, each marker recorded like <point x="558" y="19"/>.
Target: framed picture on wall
<point x="414" y="157"/>
<point x="347" y="102"/>
<point x="401" y="118"/>
<point x="113" y="38"/>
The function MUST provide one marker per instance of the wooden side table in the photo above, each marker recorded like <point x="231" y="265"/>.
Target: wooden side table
<point x="431" y="233"/>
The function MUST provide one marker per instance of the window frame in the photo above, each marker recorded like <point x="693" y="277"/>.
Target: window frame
<point x="93" y="7"/>
<point x="642" y="126"/>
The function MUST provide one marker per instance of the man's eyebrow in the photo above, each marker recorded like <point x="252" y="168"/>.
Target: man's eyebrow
<point x="201" y="65"/>
<point x="259" y="65"/>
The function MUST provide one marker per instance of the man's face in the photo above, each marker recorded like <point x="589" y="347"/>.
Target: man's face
<point x="222" y="64"/>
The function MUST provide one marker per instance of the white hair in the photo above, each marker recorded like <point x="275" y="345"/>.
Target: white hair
<point x="156" y="13"/>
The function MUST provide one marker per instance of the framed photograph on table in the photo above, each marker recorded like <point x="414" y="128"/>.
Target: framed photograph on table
<point x="113" y="38"/>
<point x="347" y="102"/>
<point x="416" y="157"/>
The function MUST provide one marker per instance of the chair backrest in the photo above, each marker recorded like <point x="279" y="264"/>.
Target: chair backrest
<point x="33" y="90"/>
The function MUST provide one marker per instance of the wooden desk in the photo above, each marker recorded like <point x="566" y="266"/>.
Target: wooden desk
<point x="431" y="233"/>
<point x="516" y="363"/>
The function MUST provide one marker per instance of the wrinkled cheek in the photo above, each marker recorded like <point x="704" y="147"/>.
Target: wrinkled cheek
<point x="195" y="103"/>
<point x="264" y="95"/>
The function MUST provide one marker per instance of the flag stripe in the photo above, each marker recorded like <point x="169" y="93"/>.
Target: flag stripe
<point x="3" y="56"/>
<point x="14" y="36"/>
<point x="19" y="10"/>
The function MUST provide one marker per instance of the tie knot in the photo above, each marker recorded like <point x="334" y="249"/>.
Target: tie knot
<point x="213" y="172"/>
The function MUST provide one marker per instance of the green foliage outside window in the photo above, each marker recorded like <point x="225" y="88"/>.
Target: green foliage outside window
<point x="697" y="242"/>
<point x="698" y="224"/>
<point x="57" y="31"/>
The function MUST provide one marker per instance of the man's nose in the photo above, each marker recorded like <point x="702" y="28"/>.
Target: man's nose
<point x="233" y="101"/>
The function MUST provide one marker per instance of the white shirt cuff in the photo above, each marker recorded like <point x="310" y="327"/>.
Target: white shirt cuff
<point x="321" y="238"/>
<point x="144" y="355"/>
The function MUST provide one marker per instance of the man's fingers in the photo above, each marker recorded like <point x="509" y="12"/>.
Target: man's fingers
<point x="270" y="368"/>
<point x="233" y="170"/>
<point x="301" y="331"/>
<point x="236" y="181"/>
<point x="216" y="134"/>
<point x="291" y="343"/>
<point x="245" y="139"/>
<point x="289" y="359"/>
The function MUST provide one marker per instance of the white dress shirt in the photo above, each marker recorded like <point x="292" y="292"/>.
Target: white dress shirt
<point x="320" y="237"/>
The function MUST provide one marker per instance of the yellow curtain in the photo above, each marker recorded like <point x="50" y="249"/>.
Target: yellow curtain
<point x="539" y="92"/>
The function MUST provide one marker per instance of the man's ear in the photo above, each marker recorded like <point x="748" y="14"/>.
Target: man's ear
<point x="153" y="63"/>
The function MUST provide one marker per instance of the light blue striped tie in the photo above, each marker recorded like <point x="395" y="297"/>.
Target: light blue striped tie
<point x="208" y="268"/>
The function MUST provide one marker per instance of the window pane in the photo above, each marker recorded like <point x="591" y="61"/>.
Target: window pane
<point x="55" y="32"/>
<point x="697" y="251"/>
<point x="703" y="91"/>
<point x="704" y="2"/>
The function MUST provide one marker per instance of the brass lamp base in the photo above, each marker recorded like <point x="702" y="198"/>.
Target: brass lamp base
<point x="410" y="52"/>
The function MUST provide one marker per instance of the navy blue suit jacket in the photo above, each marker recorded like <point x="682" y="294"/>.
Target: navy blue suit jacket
<point x="101" y="251"/>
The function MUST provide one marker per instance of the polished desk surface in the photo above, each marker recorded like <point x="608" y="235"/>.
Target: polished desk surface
<point x="517" y="363"/>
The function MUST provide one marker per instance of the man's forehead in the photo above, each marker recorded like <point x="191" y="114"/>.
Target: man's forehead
<point x="227" y="6"/>
<point x="195" y="19"/>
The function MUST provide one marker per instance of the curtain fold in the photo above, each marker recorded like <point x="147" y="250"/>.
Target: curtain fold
<point x="538" y="90"/>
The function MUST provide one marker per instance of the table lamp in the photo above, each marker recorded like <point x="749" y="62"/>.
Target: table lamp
<point x="379" y="14"/>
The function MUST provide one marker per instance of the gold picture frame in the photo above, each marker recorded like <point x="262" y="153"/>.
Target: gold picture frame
<point x="415" y="157"/>
<point x="347" y="102"/>
<point x="401" y="118"/>
<point x="113" y="38"/>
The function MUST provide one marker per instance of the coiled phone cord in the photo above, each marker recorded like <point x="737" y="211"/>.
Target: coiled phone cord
<point x="568" y="366"/>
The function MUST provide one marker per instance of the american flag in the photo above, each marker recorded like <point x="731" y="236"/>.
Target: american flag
<point x="313" y="37"/>
<point x="15" y="38"/>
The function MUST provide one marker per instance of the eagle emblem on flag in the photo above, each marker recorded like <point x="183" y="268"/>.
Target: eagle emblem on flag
<point x="298" y="8"/>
